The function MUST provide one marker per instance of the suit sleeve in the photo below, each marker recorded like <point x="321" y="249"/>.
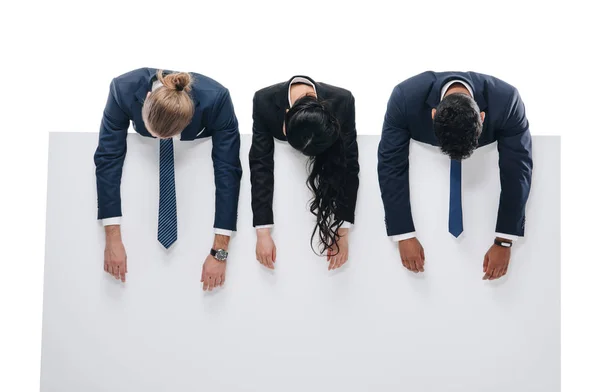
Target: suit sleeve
<point x="261" y="169"/>
<point x="226" y="162"/>
<point x="348" y="204"/>
<point x="393" y="167"/>
<point x="516" y="166"/>
<point x="110" y="155"/>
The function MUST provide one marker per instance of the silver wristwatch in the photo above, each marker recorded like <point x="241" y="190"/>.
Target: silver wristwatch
<point x="219" y="254"/>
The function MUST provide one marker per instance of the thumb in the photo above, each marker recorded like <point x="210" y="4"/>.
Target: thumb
<point x="486" y="261"/>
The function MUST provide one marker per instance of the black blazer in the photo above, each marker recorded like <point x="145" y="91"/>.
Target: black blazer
<point x="270" y="105"/>
<point x="213" y="117"/>
<point x="409" y="116"/>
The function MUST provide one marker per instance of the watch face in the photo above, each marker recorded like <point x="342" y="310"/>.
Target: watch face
<point x="221" y="255"/>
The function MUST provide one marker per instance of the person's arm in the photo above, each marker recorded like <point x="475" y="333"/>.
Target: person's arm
<point x="226" y="164"/>
<point x="516" y="166"/>
<point x="110" y="155"/>
<point x="109" y="158"/>
<point x="348" y="129"/>
<point x="262" y="181"/>
<point x="392" y="167"/>
<point x="261" y="170"/>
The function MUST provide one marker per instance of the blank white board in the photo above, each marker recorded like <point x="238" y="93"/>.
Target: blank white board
<point x="371" y="325"/>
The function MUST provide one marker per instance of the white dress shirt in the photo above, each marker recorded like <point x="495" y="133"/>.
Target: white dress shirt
<point x="117" y="219"/>
<point x="300" y="79"/>
<point x="405" y="236"/>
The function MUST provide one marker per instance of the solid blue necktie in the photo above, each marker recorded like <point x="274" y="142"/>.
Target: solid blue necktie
<point x="455" y="219"/>
<point x="167" y="203"/>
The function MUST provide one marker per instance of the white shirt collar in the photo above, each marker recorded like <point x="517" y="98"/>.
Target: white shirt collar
<point x="156" y="84"/>
<point x="450" y="83"/>
<point x="299" y="79"/>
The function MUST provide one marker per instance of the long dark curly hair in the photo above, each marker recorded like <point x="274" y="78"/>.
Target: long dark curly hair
<point x="312" y="129"/>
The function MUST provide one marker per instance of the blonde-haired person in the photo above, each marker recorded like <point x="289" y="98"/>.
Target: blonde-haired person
<point x="168" y="105"/>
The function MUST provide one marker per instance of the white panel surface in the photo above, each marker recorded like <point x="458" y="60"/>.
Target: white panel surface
<point x="370" y="326"/>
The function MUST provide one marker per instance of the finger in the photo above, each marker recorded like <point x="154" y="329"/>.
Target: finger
<point x="270" y="261"/>
<point x="486" y="261"/>
<point x="205" y="285"/>
<point x="328" y="254"/>
<point x="412" y="266"/>
<point x="417" y="265"/>
<point x="423" y="255"/>
<point x="265" y="261"/>
<point x="331" y="263"/>
<point x="110" y="270"/>
<point x="420" y="264"/>
<point x="497" y="273"/>
<point x="342" y="260"/>
<point x="274" y="254"/>
<point x="105" y="267"/>
<point x="222" y="280"/>
<point x="117" y="274"/>
<point x="405" y="263"/>
<point x="126" y="271"/>
<point x="122" y="270"/>
<point x="217" y="281"/>
<point x="488" y="274"/>
<point x="338" y="261"/>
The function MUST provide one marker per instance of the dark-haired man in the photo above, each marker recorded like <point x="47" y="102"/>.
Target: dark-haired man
<point x="457" y="111"/>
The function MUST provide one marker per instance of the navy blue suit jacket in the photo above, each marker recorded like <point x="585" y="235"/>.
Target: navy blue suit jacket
<point x="408" y="116"/>
<point x="213" y="117"/>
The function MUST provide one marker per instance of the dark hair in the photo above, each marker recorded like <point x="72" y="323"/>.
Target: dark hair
<point x="312" y="129"/>
<point x="457" y="125"/>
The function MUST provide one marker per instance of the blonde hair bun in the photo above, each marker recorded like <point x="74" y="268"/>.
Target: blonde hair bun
<point x="178" y="81"/>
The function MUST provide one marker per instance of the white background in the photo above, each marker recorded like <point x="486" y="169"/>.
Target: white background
<point x="58" y="58"/>
<point x="371" y="325"/>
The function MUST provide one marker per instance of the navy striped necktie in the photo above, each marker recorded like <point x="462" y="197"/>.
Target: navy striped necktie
<point x="167" y="202"/>
<point x="455" y="218"/>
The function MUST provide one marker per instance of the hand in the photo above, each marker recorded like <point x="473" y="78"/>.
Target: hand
<point x="412" y="254"/>
<point x="266" y="252"/>
<point x="213" y="273"/>
<point x="495" y="262"/>
<point x="338" y="255"/>
<point x="115" y="258"/>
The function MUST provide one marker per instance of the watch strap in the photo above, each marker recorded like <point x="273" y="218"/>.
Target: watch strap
<point x="504" y="244"/>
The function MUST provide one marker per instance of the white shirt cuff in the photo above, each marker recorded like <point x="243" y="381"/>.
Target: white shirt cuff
<point x="111" y="221"/>
<point x="402" y="237"/>
<point x="346" y="225"/>
<point x="264" y="226"/>
<point x="223" y="232"/>
<point x="511" y="237"/>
